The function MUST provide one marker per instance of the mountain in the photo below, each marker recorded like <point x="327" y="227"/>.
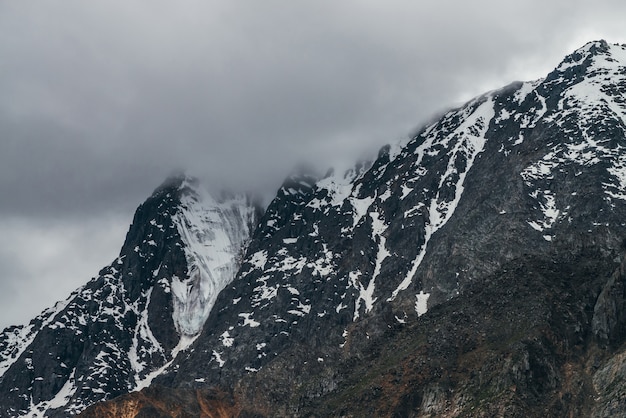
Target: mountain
<point x="476" y="270"/>
<point x="113" y="335"/>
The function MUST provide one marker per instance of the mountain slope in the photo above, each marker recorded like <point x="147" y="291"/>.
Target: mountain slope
<point x="111" y="336"/>
<point x="422" y="224"/>
<point x="525" y="178"/>
<point x="477" y="270"/>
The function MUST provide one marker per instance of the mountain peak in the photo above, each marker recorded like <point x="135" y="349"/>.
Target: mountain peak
<point x="595" y="55"/>
<point x="182" y="248"/>
<point x="176" y="181"/>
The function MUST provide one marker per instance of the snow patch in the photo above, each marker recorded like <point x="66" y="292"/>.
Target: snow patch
<point x="226" y="339"/>
<point x="360" y="207"/>
<point x="406" y="190"/>
<point x="421" y="303"/>
<point x="219" y="359"/>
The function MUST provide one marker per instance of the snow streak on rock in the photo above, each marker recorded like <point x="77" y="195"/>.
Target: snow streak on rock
<point x="366" y="294"/>
<point x="469" y="140"/>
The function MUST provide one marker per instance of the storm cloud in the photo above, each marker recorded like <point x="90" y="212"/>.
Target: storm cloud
<point x="102" y="100"/>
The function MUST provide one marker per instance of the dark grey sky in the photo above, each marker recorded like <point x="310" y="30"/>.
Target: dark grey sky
<point x="101" y="100"/>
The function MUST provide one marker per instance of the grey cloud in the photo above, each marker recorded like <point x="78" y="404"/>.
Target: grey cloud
<point x="101" y="100"/>
<point x="114" y="96"/>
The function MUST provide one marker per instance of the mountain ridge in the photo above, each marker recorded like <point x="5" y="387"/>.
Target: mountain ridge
<point x="393" y="286"/>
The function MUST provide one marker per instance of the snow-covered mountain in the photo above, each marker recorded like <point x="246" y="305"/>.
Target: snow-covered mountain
<point x="533" y="169"/>
<point x="114" y="334"/>
<point x="472" y="271"/>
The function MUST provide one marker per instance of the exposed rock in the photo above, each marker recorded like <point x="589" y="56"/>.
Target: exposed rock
<point x="610" y="310"/>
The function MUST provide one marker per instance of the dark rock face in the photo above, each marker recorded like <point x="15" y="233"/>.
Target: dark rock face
<point x="473" y="271"/>
<point x="610" y="310"/>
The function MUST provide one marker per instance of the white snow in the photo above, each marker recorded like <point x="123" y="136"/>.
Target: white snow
<point x="259" y="259"/>
<point x="414" y="210"/>
<point x="406" y="190"/>
<point x="301" y="310"/>
<point x="421" y="303"/>
<point x="524" y="90"/>
<point x="60" y="399"/>
<point x="366" y="294"/>
<point x="591" y="103"/>
<point x="470" y="142"/>
<point x="547" y="204"/>
<point x="345" y="338"/>
<point x="218" y="358"/>
<point x="360" y="207"/>
<point x="504" y="115"/>
<point x="143" y="341"/>
<point x="339" y="185"/>
<point x="386" y="195"/>
<point x="248" y="321"/>
<point x="263" y="292"/>
<point x="226" y="339"/>
<point x="214" y="235"/>
<point x="324" y="265"/>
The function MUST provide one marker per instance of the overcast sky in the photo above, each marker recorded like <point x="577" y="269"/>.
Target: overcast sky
<point x="101" y="100"/>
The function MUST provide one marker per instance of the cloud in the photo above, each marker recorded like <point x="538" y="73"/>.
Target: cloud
<point x="44" y="261"/>
<point x="103" y="99"/>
